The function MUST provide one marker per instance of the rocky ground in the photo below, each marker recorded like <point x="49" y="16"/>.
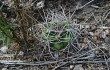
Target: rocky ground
<point x="89" y="49"/>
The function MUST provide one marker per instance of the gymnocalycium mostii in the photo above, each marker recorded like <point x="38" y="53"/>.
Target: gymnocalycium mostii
<point x="57" y="34"/>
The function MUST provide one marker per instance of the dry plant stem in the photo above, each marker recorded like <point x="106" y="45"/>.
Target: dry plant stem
<point x="89" y="43"/>
<point x="73" y="44"/>
<point x="79" y="57"/>
<point x="63" y="64"/>
<point x="35" y="20"/>
<point x="21" y="17"/>
<point x="99" y="48"/>
<point x="18" y="62"/>
<point x="42" y="52"/>
<point x="95" y="18"/>
<point x="106" y="63"/>
<point x="87" y="18"/>
<point x="41" y="15"/>
<point x="86" y="4"/>
<point x="106" y="14"/>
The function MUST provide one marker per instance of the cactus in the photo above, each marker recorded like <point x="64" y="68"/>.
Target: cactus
<point x="57" y="34"/>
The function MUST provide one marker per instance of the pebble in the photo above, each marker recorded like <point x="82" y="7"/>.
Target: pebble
<point x="4" y="49"/>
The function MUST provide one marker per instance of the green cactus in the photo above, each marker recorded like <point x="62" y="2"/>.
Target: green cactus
<point x="57" y="42"/>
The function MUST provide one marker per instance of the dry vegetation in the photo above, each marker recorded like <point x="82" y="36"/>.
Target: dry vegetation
<point x="55" y="34"/>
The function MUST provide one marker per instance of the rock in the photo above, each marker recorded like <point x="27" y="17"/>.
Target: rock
<point x="40" y="4"/>
<point x="71" y="66"/>
<point x="78" y="67"/>
<point x="21" y="53"/>
<point x="107" y="39"/>
<point x="4" y="69"/>
<point x="4" y="49"/>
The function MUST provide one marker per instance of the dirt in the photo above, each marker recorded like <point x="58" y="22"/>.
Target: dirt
<point x="90" y="49"/>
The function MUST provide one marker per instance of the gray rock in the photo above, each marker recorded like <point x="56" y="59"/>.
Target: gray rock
<point x="4" y="69"/>
<point x="4" y="49"/>
<point x="107" y="39"/>
<point x="78" y="67"/>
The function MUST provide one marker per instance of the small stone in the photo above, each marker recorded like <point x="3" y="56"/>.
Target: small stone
<point x="21" y="53"/>
<point x="40" y="4"/>
<point x="91" y="33"/>
<point x="103" y="35"/>
<point x="78" y="67"/>
<point x="107" y="31"/>
<point x="4" y="49"/>
<point x="71" y="66"/>
<point x="107" y="39"/>
<point x="4" y="69"/>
